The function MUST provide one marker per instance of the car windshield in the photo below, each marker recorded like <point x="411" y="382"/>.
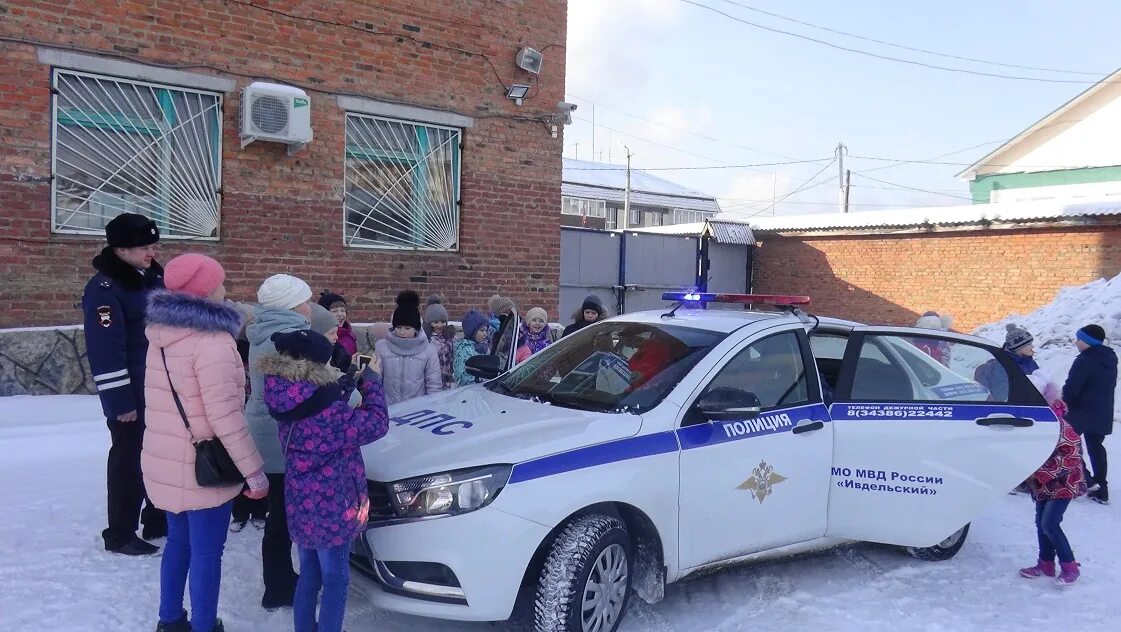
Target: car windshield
<point x="614" y="367"/>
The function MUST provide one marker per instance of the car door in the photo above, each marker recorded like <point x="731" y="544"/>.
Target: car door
<point x="929" y="429"/>
<point x="752" y="484"/>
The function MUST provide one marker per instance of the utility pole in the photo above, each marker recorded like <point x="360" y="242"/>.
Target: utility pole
<point x="774" y="191"/>
<point x="848" y="188"/>
<point x="843" y="195"/>
<point x="627" y="191"/>
<point x="593" y="131"/>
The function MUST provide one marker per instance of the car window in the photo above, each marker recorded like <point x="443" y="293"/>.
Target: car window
<point x="827" y="347"/>
<point x="615" y="367"/>
<point x="918" y="368"/>
<point x="771" y="368"/>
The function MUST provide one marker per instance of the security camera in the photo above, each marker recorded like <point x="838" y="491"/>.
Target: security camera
<point x="566" y="110"/>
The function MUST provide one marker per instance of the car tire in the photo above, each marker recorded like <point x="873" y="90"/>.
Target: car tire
<point x="942" y="551"/>
<point x="590" y="550"/>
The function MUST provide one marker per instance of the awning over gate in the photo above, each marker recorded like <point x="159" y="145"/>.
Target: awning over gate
<point x="723" y="232"/>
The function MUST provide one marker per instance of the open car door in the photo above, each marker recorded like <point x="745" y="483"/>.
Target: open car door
<point x="929" y="429"/>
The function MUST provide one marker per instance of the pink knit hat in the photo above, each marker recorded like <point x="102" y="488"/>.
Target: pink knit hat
<point x="194" y="274"/>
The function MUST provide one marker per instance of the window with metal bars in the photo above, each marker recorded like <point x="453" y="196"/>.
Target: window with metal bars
<point x="137" y="147"/>
<point x="401" y="186"/>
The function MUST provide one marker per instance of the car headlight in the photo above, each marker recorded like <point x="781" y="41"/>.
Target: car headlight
<point x="448" y="493"/>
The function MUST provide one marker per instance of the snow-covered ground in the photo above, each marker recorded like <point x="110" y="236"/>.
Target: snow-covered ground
<point x="54" y="574"/>
<point x="1055" y="324"/>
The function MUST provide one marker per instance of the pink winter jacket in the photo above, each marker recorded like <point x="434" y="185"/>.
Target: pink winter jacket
<point x="198" y="336"/>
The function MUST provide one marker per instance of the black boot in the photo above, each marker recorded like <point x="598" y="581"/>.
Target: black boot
<point x="134" y="547"/>
<point x="1100" y="495"/>
<point x="182" y="625"/>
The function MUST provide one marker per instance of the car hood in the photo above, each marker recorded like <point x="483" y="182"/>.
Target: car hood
<point x="472" y="426"/>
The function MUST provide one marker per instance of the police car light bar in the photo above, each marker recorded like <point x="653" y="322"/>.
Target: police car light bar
<point x="744" y="299"/>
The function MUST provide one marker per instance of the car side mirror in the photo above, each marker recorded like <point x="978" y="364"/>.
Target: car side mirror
<point x="729" y="404"/>
<point x="484" y="367"/>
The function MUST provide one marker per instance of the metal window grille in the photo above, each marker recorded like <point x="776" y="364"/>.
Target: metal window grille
<point x="401" y="185"/>
<point x="128" y="146"/>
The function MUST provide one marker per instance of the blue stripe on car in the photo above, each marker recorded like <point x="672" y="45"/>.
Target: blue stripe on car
<point x="768" y="423"/>
<point x="591" y="456"/>
<point x="947" y="411"/>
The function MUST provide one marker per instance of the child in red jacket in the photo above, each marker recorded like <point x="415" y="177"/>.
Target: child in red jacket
<point x="1059" y="481"/>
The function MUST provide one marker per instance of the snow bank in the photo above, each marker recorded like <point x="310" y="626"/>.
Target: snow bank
<point x="1055" y="324"/>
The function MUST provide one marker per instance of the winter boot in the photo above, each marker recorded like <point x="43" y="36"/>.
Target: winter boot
<point x="237" y="525"/>
<point x="1099" y="495"/>
<point x="182" y="625"/>
<point x="1041" y="568"/>
<point x="134" y="547"/>
<point x="1069" y="574"/>
<point x="259" y="523"/>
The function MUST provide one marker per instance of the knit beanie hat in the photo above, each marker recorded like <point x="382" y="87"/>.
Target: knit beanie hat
<point x="1017" y="338"/>
<point x="537" y="312"/>
<point x="194" y="274"/>
<point x="473" y="321"/>
<point x="129" y="230"/>
<point x="932" y="320"/>
<point x="283" y="291"/>
<point x="330" y="300"/>
<point x="407" y="313"/>
<point x="500" y="304"/>
<point x="303" y="345"/>
<point x="322" y="320"/>
<point x="435" y="313"/>
<point x="1092" y="335"/>
<point x="593" y="303"/>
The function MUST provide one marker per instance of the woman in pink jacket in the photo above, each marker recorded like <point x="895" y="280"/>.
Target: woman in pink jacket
<point x="192" y="348"/>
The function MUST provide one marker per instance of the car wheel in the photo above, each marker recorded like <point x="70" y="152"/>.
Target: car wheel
<point x="944" y="550"/>
<point x="586" y="579"/>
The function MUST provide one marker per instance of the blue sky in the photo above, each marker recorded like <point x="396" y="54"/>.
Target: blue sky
<point x="691" y="70"/>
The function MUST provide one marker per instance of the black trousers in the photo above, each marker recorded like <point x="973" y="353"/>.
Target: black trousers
<point x="124" y="485"/>
<point x="276" y="546"/>
<point x="1098" y="462"/>
<point x="246" y="508"/>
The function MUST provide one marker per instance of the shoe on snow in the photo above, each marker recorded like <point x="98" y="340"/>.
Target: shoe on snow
<point x="1100" y="496"/>
<point x="135" y="547"/>
<point x="1042" y="568"/>
<point x="259" y="523"/>
<point x="182" y="625"/>
<point x="1069" y="574"/>
<point x="154" y="532"/>
<point x="237" y="525"/>
<point x="276" y="602"/>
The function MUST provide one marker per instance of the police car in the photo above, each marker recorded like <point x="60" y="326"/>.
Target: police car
<point x="657" y="445"/>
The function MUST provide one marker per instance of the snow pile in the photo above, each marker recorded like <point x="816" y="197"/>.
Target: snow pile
<point x="1055" y="324"/>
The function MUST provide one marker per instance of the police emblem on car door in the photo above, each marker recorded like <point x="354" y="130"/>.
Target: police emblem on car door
<point x="762" y="481"/>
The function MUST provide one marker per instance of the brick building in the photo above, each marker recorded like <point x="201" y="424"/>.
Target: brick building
<point x="421" y="172"/>
<point x="978" y="263"/>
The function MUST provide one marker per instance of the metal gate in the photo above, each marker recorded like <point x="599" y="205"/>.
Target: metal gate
<point x="629" y="271"/>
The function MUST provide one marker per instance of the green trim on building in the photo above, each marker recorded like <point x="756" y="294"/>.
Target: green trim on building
<point x="982" y="187"/>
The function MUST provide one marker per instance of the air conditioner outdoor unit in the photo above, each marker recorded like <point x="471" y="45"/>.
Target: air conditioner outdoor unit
<point x="275" y="113"/>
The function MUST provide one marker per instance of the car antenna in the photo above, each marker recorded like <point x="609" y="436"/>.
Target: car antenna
<point x="672" y="312"/>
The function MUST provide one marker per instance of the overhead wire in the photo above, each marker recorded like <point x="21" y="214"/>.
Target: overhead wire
<point x="910" y="188"/>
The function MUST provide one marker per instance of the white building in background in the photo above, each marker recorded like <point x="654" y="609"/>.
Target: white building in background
<point x="593" y="196"/>
<point x="1072" y="153"/>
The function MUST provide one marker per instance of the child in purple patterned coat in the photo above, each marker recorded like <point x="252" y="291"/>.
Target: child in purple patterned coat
<point x="325" y="477"/>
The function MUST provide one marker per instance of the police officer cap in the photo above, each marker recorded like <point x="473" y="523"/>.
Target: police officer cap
<point x="129" y="230"/>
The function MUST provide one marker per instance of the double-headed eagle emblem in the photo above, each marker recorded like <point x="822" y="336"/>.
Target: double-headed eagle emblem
<point x="762" y="482"/>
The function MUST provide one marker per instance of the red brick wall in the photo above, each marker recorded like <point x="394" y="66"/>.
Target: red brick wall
<point x="978" y="276"/>
<point x="284" y="214"/>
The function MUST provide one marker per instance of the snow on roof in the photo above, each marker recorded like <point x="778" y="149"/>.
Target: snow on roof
<point x="603" y="181"/>
<point x="969" y="172"/>
<point x="723" y="231"/>
<point x="942" y="216"/>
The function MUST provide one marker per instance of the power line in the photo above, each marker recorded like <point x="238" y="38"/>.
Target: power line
<point x="681" y="129"/>
<point x="757" y="164"/>
<point x="805" y="186"/>
<point x="654" y="142"/>
<point x="883" y="57"/>
<point x="903" y="186"/>
<point x="910" y="48"/>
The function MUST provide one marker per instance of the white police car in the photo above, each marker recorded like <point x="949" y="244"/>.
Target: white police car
<point x="656" y="445"/>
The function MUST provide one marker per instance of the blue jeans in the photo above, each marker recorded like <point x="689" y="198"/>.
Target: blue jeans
<point x="328" y="569"/>
<point x="1052" y="540"/>
<point x="195" y="540"/>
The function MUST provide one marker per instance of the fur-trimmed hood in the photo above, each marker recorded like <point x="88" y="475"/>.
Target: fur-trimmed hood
<point x="177" y="310"/>
<point x="109" y="264"/>
<point x="298" y="370"/>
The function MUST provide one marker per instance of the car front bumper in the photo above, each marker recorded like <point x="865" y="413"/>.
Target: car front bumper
<point x="488" y="552"/>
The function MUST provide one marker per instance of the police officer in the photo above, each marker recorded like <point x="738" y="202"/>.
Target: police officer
<point x="113" y="306"/>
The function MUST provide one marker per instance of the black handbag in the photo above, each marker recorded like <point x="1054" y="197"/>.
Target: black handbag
<point x="213" y="465"/>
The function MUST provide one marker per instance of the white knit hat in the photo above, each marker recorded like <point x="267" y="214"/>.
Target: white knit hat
<point x="283" y="291"/>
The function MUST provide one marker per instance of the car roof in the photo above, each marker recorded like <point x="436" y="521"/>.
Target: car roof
<point x="721" y="320"/>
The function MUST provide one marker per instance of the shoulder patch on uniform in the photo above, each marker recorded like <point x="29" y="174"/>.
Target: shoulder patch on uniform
<point x="105" y="316"/>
